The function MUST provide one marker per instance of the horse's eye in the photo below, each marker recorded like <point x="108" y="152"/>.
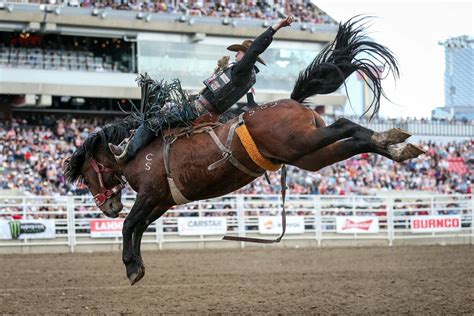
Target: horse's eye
<point x="86" y="182"/>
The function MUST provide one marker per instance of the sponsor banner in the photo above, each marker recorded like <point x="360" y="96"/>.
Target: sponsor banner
<point x="31" y="229"/>
<point x="105" y="228"/>
<point x="435" y="223"/>
<point x="192" y="226"/>
<point x="272" y="225"/>
<point x="357" y="224"/>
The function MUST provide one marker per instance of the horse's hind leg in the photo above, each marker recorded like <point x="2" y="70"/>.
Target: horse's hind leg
<point x="342" y="129"/>
<point x="381" y="139"/>
<point x="350" y="147"/>
<point x="331" y="154"/>
<point x="391" y="137"/>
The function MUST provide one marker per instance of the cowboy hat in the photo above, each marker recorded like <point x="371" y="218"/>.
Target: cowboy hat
<point x="243" y="47"/>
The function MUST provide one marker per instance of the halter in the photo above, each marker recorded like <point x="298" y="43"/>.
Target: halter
<point x="104" y="193"/>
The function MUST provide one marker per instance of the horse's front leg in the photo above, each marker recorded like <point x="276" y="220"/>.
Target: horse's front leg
<point x="136" y="271"/>
<point x="137" y="214"/>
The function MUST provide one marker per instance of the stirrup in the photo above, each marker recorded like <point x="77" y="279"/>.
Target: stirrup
<point x="124" y="150"/>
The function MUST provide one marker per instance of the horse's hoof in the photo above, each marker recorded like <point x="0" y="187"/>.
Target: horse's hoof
<point x="391" y="137"/>
<point x="135" y="272"/>
<point x="402" y="152"/>
<point x="136" y="276"/>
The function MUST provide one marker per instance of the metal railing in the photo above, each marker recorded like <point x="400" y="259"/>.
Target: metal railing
<point x="318" y="217"/>
<point x="419" y="128"/>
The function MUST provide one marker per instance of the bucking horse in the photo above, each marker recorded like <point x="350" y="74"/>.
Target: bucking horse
<point x="192" y="164"/>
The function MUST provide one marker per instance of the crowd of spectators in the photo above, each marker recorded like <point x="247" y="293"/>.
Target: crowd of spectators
<point x="303" y="10"/>
<point x="31" y="153"/>
<point x="447" y="168"/>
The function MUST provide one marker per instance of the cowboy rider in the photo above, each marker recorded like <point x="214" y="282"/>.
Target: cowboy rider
<point x="222" y="90"/>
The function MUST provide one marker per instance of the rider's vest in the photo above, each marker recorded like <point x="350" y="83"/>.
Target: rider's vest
<point x="221" y="92"/>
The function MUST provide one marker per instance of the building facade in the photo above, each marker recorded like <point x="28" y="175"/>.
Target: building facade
<point x="458" y="79"/>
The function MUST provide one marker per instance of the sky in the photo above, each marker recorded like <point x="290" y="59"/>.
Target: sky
<point x="412" y="29"/>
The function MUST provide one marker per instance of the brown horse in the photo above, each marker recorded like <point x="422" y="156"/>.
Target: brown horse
<point x="285" y="132"/>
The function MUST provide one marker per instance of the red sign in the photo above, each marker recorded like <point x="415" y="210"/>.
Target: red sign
<point x="106" y="228"/>
<point x="357" y="224"/>
<point x="365" y="225"/>
<point x="440" y="223"/>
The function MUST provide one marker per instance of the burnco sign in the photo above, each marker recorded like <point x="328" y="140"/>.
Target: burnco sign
<point x="192" y="226"/>
<point x="436" y="223"/>
<point x="357" y="224"/>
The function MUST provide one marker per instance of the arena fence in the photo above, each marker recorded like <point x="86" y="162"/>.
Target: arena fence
<point x="73" y="222"/>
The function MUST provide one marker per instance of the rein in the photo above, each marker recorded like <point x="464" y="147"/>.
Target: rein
<point x="283" y="217"/>
<point x="105" y="193"/>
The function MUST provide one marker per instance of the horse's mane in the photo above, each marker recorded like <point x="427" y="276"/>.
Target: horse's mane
<point x="111" y="133"/>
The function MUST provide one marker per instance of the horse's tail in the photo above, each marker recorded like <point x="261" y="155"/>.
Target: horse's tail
<point x="337" y="61"/>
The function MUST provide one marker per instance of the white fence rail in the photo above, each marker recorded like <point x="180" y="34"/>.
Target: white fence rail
<point x="310" y="217"/>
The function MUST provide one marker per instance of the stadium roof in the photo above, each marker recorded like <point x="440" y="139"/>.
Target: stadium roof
<point x="464" y="41"/>
<point x="118" y="23"/>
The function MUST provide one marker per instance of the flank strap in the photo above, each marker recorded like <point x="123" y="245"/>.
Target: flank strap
<point x="252" y="150"/>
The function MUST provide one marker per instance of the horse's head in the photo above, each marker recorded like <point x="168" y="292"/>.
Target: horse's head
<point x="94" y="165"/>
<point x="105" y="182"/>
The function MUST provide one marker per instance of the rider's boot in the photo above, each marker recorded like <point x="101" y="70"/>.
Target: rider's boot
<point x="123" y="153"/>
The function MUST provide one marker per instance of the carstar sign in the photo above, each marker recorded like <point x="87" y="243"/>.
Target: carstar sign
<point x="195" y="226"/>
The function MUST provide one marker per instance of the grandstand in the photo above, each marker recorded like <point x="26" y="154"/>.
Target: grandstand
<point x="70" y="67"/>
<point x="55" y="55"/>
<point x="33" y="148"/>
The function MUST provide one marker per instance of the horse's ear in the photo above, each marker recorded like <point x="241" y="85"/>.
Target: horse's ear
<point x="65" y="162"/>
<point x="67" y="168"/>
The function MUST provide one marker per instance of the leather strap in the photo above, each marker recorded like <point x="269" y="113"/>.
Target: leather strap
<point x="227" y="154"/>
<point x="283" y="217"/>
<point x="105" y="193"/>
<point x="252" y="150"/>
<point x="178" y="197"/>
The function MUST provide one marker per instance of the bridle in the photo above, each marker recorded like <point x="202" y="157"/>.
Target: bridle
<point x="104" y="193"/>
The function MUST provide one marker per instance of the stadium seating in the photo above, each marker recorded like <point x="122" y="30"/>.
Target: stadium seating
<point x="51" y="59"/>
<point x="31" y="152"/>
<point x="304" y="11"/>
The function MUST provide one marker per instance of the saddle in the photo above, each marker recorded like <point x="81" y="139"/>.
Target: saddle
<point x="208" y="118"/>
<point x="197" y="126"/>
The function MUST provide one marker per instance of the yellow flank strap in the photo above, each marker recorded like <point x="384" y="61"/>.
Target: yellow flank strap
<point x="253" y="151"/>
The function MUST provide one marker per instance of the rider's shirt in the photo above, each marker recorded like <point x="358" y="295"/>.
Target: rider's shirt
<point x="225" y="88"/>
<point x="222" y="93"/>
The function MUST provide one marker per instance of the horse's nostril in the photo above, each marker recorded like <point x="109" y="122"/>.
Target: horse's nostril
<point x="110" y="205"/>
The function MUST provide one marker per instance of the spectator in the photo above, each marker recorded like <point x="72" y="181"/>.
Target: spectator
<point x="31" y="152"/>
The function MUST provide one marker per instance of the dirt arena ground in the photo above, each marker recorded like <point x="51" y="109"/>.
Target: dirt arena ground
<point x="390" y="280"/>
